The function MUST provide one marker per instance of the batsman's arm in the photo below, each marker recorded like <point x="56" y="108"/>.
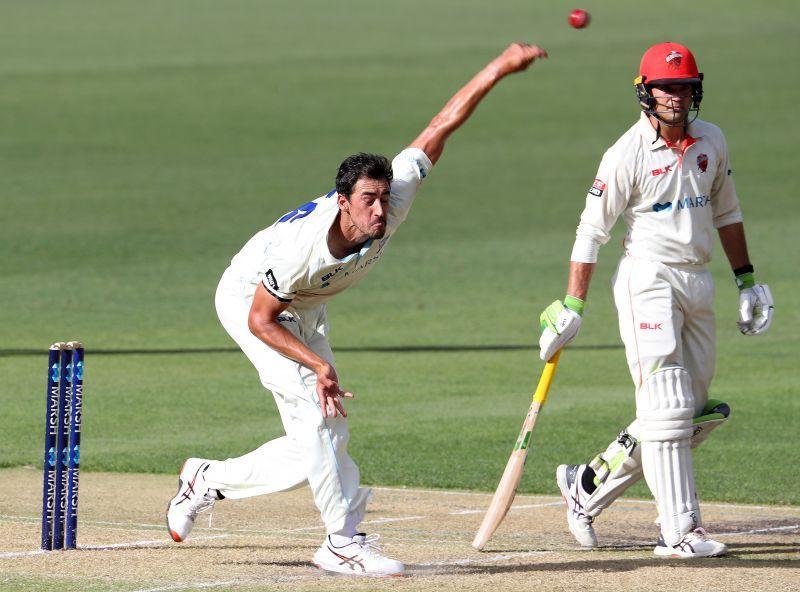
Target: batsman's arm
<point x="515" y="58"/>
<point x="580" y="275"/>
<point x="263" y="323"/>
<point x="734" y="244"/>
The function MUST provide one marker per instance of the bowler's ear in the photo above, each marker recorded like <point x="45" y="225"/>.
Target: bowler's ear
<point x="343" y="202"/>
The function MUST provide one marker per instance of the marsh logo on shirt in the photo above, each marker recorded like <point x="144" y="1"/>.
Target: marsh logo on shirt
<point x="702" y="162"/>
<point x="270" y="277"/>
<point x="659" y="207"/>
<point x="597" y="188"/>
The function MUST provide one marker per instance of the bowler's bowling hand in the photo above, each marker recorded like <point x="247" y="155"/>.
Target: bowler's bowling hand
<point x="517" y="57"/>
<point x="329" y="392"/>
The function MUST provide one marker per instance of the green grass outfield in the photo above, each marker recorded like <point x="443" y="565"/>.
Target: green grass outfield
<point x="144" y="142"/>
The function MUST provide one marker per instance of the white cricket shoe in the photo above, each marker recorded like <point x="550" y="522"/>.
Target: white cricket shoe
<point x="695" y="544"/>
<point x="568" y="478"/>
<point x="361" y="557"/>
<point x="192" y="498"/>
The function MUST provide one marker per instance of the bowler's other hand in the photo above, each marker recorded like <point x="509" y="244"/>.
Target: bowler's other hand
<point x="559" y="325"/>
<point x="330" y="393"/>
<point x="756" y="308"/>
<point x="517" y="57"/>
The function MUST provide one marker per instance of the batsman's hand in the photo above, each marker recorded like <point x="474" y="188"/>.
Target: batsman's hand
<point x="517" y="57"/>
<point x="756" y="308"/>
<point x="559" y="323"/>
<point x="329" y="392"/>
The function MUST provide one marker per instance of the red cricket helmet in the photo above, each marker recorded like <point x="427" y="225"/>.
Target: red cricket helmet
<point x="668" y="63"/>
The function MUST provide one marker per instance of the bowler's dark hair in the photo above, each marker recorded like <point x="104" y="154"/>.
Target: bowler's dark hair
<point x="371" y="166"/>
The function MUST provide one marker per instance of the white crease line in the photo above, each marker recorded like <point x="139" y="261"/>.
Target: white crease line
<point x="201" y="585"/>
<point x="401" y="519"/>
<point x="111" y="546"/>
<point x="482" y="560"/>
<point x="193" y="586"/>
<point x="759" y="530"/>
<point x="716" y="505"/>
<point x="148" y="543"/>
<point x="23" y="553"/>
<point x="513" y="507"/>
<point x="446" y="492"/>
<point x="376" y="521"/>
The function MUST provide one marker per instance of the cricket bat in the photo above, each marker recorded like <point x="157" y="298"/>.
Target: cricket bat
<point x="507" y="488"/>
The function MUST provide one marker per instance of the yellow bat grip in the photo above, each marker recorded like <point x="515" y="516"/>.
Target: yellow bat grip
<point x="547" y="377"/>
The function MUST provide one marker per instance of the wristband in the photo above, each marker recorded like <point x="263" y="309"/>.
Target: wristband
<point x="574" y="304"/>
<point x="745" y="280"/>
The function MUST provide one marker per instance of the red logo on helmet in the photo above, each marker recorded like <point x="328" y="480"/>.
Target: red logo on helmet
<point x="702" y="163"/>
<point x="674" y="60"/>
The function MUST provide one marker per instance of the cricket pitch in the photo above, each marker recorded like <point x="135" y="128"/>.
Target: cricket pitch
<point x="266" y="543"/>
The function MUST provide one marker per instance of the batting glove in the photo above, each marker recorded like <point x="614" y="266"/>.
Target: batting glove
<point x="559" y="323"/>
<point x="756" y="305"/>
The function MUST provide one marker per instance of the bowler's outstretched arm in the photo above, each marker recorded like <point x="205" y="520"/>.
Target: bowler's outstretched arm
<point x="515" y="58"/>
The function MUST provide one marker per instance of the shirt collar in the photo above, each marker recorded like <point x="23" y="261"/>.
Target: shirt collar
<point x="648" y="133"/>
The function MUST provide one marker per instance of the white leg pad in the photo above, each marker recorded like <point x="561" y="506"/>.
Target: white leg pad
<point x="620" y="465"/>
<point x="665" y="409"/>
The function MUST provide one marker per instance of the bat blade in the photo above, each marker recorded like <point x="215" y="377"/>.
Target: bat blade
<point x="507" y="488"/>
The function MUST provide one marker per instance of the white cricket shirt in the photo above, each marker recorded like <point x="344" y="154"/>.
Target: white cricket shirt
<point x="671" y="199"/>
<point x="291" y="257"/>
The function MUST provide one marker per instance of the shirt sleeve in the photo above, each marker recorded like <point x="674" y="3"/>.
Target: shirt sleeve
<point x="607" y="198"/>
<point x="283" y="272"/>
<point x="409" y="168"/>
<point x="724" y="201"/>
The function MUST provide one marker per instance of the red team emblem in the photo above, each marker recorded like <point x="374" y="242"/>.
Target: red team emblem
<point x="597" y="188"/>
<point x="702" y="163"/>
<point x="674" y="59"/>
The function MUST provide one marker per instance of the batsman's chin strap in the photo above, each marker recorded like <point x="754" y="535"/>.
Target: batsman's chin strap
<point x="658" y="130"/>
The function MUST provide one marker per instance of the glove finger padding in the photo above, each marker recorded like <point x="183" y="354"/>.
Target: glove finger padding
<point x="756" y="308"/>
<point x="558" y="330"/>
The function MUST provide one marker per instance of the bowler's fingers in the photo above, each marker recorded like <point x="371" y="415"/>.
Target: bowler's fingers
<point x="532" y="50"/>
<point x="332" y="403"/>
<point x="525" y="54"/>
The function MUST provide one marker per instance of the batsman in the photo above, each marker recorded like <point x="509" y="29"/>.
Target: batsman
<point x="669" y="177"/>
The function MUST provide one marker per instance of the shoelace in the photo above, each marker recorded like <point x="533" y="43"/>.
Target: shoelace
<point x="202" y="504"/>
<point x="371" y="546"/>
<point x="699" y="534"/>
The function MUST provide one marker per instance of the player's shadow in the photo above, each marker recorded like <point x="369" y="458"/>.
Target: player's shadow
<point x="621" y="565"/>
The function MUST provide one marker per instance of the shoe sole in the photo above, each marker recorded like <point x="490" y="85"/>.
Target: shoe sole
<point x="356" y="574"/>
<point x="175" y="536"/>
<point x="561" y="477"/>
<point x="670" y="555"/>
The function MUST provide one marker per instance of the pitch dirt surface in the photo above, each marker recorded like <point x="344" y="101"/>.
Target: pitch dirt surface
<point x="266" y="543"/>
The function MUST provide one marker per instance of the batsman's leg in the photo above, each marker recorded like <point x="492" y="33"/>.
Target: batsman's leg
<point x="609" y="474"/>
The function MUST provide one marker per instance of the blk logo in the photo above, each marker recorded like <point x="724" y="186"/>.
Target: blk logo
<point x="651" y="326"/>
<point x="664" y="171"/>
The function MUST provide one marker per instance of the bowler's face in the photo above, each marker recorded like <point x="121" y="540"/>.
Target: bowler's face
<point x="369" y="206"/>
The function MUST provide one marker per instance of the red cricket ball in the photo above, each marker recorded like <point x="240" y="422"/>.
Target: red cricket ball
<point x="579" y="18"/>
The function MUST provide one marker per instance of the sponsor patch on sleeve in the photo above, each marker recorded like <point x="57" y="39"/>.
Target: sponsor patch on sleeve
<point x="270" y="277"/>
<point x="597" y="187"/>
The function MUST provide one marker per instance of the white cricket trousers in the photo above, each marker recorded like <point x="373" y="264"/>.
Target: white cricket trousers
<point x="314" y="449"/>
<point x="666" y="318"/>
